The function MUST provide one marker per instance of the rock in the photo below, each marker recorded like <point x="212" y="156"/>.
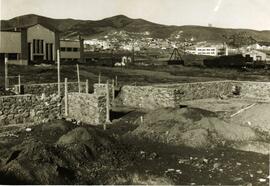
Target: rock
<point x="197" y="138"/>
<point x="79" y="134"/>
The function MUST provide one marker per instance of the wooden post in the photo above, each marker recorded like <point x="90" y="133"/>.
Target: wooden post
<point x="58" y="73"/>
<point x="78" y="76"/>
<point x="107" y="106"/>
<point x="113" y="90"/>
<point x="99" y="79"/>
<point x="116" y="82"/>
<point x="66" y="98"/>
<point x="19" y="83"/>
<point x="86" y="87"/>
<point x="6" y="73"/>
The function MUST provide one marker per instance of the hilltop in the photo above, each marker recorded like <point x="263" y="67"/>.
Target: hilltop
<point x="88" y="28"/>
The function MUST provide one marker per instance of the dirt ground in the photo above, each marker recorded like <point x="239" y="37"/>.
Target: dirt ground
<point x="130" y="74"/>
<point x="63" y="152"/>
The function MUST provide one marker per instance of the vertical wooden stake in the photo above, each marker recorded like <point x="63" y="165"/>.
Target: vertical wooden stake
<point x="99" y="79"/>
<point x="78" y="76"/>
<point x="6" y="73"/>
<point x="107" y="105"/>
<point x="116" y="82"/>
<point x="58" y="73"/>
<point x="19" y="83"/>
<point x="113" y="90"/>
<point x="86" y="87"/>
<point x="66" y="98"/>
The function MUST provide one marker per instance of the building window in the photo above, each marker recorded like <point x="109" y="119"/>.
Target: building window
<point x="34" y="46"/>
<point x="38" y="46"/>
<point x="63" y="49"/>
<point x="69" y="49"/>
<point x="12" y="56"/>
<point x="75" y="49"/>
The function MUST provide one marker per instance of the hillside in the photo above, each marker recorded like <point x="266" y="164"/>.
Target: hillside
<point x="88" y="28"/>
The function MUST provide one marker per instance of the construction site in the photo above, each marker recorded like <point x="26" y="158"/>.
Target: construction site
<point x="99" y="125"/>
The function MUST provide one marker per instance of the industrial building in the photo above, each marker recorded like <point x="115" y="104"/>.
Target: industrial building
<point x="36" y="43"/>
<point x="71" y="50"/>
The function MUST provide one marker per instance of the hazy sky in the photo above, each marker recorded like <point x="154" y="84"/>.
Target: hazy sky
<point x="254" y="14"/>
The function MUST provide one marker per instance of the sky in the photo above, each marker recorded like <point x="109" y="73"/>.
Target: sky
<point x="252" y="14"/>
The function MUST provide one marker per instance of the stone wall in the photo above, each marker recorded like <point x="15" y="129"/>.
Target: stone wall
<point x="100" y="89"/>
<point x="88" y="108"/>
<point x="251" y="89"/>
<point x="159" y="96"/>
<point x="49" y="88"/>
<point x="20" y="109"/>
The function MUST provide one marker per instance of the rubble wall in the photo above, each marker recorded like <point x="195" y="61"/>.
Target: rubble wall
<point x="20" y="109"/>
<point x="49" y="88"/>
<point x="251" y="89"/>
<point x="87" y="108"/>
<point x="159" y="96"/>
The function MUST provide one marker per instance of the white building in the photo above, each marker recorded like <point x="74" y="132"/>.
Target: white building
<point x="209" y="51"/>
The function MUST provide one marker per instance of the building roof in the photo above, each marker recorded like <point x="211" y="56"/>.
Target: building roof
<point x="12" y="28"/>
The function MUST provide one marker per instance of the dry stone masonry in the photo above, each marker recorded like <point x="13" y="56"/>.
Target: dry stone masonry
<point x="49" y="88"/>
<point x="20" y="109"/>
<point x="87" y="108"/>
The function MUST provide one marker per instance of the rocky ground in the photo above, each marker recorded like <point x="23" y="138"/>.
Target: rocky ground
<point x="167" y="146"/>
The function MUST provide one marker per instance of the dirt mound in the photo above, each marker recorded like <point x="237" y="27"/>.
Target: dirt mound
<point x="192" y="127"/>
<point x="78" y="155"/>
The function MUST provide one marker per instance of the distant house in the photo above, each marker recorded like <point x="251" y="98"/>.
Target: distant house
<point x="210" y="51"/>
<point x="256" y="55"/>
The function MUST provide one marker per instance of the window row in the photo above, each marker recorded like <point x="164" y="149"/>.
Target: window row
<point x="69" y="49"/>
<point x="38" y="47"/>
<point x="206" y="52"/>
<point x="204" y="49"/>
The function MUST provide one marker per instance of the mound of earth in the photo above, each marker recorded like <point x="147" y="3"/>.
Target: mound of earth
<point x="60" y="153"/>
<point x="195" y="128"/>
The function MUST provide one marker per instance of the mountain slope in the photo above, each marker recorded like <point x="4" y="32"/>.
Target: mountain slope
<point x="88" y="28"/>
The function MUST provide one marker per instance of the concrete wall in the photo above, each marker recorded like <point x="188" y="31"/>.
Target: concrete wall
<point x="10" y="42"/>
<point x="88" y="108"/>
<point x="49" y="88"/>
<point x="28" y="109"/>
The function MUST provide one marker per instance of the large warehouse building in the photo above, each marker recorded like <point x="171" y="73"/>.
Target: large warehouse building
<point x="36" y="44"/>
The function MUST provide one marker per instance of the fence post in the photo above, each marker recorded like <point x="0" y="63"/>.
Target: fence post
<point x="86" y="87"/>
<point x="107" y="106"/>
<point x="66" y="98"/>
<point x="113" y="90"/>
<point x="58" y="73"/>
<point x="19" y="83"/>
<point x="116" y="82"/>
<point x="6" y="73"/>
<point x="78" y="76"/>
<point x="99" y="79"/>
